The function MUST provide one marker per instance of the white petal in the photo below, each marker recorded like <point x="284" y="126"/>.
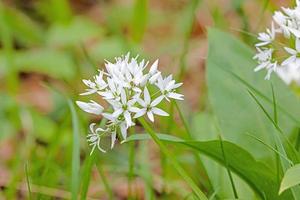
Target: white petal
<point x="298" y="44"/>
<point x="153" y="68"/>
<point x="134" y="109"/>
<point x="123" y="96"/>
<point x="174" y="95"/>
<point x="123" y="129"/>
<point x="117" y="113"/>
<point x="160" y="112"/>
<point x="92" y="127"/>
<point x="154" y="77"/>
<point x="142" y="102"/>
<point x="93" y="107"/>
<point x="156" y="101"/>
<point x="108" y="116"/>
<point x="88" y="92"/>
<point x="290" y="51"/>
<point x="113" y="139"/>
<point x="140" y="113"/>
<point x="128" y="118"/>
<point x="289" y="61"/>
<point x="147" y="97"/>
<point x="150" y="116"/>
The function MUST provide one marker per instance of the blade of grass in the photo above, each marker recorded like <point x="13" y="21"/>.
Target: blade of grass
<point x="253" y="89"/>
<point x="205" y="179"/>
<point x="105" y="182"/>
<point x="75" y="152"/>
<point x="189" y="21"/>
<point x="174" y="162"/>
<point x="228" y="170"/>
<point x="139" y="19"/>
<point x="131" y="166"/>
<point x="274" y="105"/>
<point x="88" y="166"/>
<point x="271" y="148"/>
<point x="27" y="182"/>
<point x="86" y="175"/>
<point x="285" y="165"/>
<point x="145" y="170"/>
<point x="7" y="42"/>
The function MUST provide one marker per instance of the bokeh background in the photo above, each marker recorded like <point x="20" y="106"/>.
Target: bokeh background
<point x="47" y="47"/>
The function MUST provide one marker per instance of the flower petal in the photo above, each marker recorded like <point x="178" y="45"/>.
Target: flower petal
<point x="159" y="111"/>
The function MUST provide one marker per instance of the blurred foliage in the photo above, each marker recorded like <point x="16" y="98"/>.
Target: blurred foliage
<point x="48" y="46"/>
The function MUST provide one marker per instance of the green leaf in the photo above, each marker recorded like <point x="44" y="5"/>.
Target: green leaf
<point x="75" y="153"/>
<point x="77" y="31"/>
<point x="139" y="19"/>
<point x="291" y="178"/>
<point x="24" y="29"/>
<point x="230" y="65"/>
<point x="50" y="62"/>
<point x="260" y="177"/>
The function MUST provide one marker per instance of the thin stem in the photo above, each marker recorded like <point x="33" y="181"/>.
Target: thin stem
<point x="208" y="185"/>
<point x="27" y="182"/>
<point x="105" y="182"/>
<point x="131" y="165"/>
<point x="173" y="160"/>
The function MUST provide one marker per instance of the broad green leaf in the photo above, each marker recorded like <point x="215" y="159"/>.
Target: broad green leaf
<point x="290" y="179"/>
<point x="260" y="177"/>
<point x="25" y="30"/>
<point x="50" y="62"/>
<point x="229" y="74"/>
<point x="74" y="33"/>
<point x="57" y="11"/>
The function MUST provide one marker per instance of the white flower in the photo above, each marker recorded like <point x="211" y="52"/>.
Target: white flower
<point x="124" y="107"/>
<point x="266" y="37"/>
<point x="287" y="24"/>
<point x="289" y="73"/>
<point x="94" y="138"/>
<point x="149" y="107"/>
<point x="167" y="87"/>
<point x="121" y="86"/>
<point x="93" y="107"/>
<point x="294" y="58"/>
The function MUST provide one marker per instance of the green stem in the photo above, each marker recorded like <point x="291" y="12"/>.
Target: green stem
<point x="105" y="182"/>
<point x="131" y="167"/>
<point x="200" y="165"/>
<point x="172" y="159"/>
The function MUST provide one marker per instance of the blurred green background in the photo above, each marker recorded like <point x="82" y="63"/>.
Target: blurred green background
<point x="48" y="46"/>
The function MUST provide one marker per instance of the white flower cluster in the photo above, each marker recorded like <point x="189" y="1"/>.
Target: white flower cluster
<point x="281" y="56"/>
<point x="131" y="92"/>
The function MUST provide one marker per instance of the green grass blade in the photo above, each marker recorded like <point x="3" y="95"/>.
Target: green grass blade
<point x="75" y="153"/>
<point x="228" y="170"/>
<point x="259" y="176"/>
<point x="274" y="106"/>
<point x="188" y="17"/>
<point x="175" y="163"/>
<point x="271" y="148"/>
<point x="105" y="182"/>
<point x="27" y="182"/>
<point x="205" y="181"/>
<point x="86" y="175"/>
<point x="139" y="19"/>
<point x="285" y="165"/>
